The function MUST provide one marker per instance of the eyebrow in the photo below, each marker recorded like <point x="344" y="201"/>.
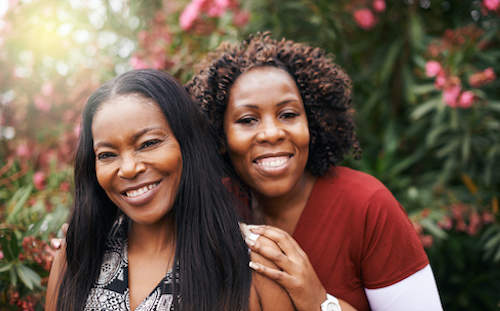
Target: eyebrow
<point x="277" y="105"/>
<point x="134" y="138"/>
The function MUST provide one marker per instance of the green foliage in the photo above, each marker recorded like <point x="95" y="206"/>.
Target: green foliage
<point x="433" y="139"/>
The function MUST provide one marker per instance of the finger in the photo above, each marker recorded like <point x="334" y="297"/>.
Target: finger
<point x="284" y="240"/>
<point x="269" y="250"/>
<point x="282" y="278"/>
<point x="56" y="243"/>
<point x="64" y="229"/>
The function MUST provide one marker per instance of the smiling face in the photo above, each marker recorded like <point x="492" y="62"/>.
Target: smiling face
<point x="138" y="159"/>
<point x="266" y="131"/>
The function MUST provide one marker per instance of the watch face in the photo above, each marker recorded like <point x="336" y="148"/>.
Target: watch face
<point x="331" y="306"/>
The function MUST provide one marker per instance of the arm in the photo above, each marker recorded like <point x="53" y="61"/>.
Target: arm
<point x="265" y="294"/>
<point x="55" y="276"/>
<point x="418" y="291"/>
<point x="292" y="268"/>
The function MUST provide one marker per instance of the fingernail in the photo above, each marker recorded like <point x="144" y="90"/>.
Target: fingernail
<point x="56" y="243"/>
<point x="249" y="242"/>
<point x="253" y="265"/>
<point x="253" y="227"/>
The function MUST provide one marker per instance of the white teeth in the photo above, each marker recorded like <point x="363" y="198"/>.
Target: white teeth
<point x="273" y="163"/>
<point x="134" y="193"/>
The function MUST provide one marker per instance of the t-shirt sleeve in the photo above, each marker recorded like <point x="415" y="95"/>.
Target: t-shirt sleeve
<point x="392" y="250"/>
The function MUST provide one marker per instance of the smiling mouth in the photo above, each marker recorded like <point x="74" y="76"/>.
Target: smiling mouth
<point x="273" y="161"/>
<point x="140" y="191"/>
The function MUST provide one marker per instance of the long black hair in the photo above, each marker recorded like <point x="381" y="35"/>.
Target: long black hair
<point x="212" y="256"/>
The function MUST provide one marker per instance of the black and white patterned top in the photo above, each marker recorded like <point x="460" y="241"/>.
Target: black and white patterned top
<point x="111" y="292"/>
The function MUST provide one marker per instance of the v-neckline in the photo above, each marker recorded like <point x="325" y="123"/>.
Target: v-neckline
<point x="127" y="293"/>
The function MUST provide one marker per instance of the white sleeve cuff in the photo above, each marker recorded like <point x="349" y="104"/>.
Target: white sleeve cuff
<point x="418" y="292"/>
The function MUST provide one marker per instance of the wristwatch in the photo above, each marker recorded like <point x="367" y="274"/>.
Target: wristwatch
<point x="330" y="304"/>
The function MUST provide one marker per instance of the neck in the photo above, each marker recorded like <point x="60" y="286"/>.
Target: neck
<point x="284" y="211"/>
<point x="153" y="239"/>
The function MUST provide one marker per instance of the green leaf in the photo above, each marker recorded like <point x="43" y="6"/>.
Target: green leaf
<point x="30" y="275"/>
<point x="420" y="89"/>
<point x="450" y="147"/>
<point x="13" y="277"/>
<point x="433" y="228"/>
<point x="492" y="242"/>
<point x="466" y="147"/>
<point x="9" y="244"/>
<point x="14" y="245"/>
<point x="493" y="105"/>
<point x="435" y="133"/>
<point x="425" y="108"/>
<point x="6" y="267"/>
<point x="391" y="59"/>
<point x="17" y="202"/>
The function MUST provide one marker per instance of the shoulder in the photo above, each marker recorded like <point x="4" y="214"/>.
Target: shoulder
<point x="346" y="187"/>
<point x="56" y="273"/>
<point x="348" y="179"/>
<point x="266" y="294"/>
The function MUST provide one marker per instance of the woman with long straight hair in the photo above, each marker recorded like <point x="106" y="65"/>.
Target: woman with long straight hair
<point x="152" y="226"/>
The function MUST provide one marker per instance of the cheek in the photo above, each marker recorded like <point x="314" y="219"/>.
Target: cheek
<point x="103" y="176"/>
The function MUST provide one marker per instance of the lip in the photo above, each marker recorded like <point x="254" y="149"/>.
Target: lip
<point x="142" y="198"/>
<point x="273" y="171"/>
<point x="273" y="155"/>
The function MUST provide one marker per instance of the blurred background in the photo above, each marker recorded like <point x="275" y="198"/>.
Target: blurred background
<point x="425" y="88"/>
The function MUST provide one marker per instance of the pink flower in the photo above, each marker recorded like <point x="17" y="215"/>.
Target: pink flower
<point x="241" y="18"/>
<point x="432" y="68"/>
<point x="440" y="81"/>
<point x="364" y="18"/>
<point x="488" y="218"/>
<point x="445" y="223"/>
<point x="489" y="73"/>
<point x="466" y="99"/>
<point x="427" y="240"/>
<point x="450" y="95"/>
<point x="39" y="180"/>
<point x="218" y="8"/>
<point x="23" y="151"/>
<point x="42" y="104"/>
<point x="379" y="6"/>
<point x="47" y="89"/>
<point x="1" y="255"/>
<point x="491" y="5"/>
<point x="138" y="63"/>
<point x="189" y="15"/>
<point x="481" y="78"/>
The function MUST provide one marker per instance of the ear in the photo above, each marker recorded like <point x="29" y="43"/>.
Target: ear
<point x="223" y="146"/>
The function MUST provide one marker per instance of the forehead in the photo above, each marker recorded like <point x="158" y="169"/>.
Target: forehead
<point x="129" y="111"/>
<point x="257" y="74"/>
<point x="121" y="104"/>
<point x="261" y="83"/>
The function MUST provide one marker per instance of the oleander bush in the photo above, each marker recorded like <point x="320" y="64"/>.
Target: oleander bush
<point x="425" y="88"/>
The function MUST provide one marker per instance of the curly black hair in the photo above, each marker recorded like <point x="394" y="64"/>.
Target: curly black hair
<point x="324" y="87"/>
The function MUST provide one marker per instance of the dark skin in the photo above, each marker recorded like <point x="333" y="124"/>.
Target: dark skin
<point x="134" y="145"/>
<point x="267" y="140"/>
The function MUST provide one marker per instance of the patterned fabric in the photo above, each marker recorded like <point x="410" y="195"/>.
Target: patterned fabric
<point x="111" y="292"/>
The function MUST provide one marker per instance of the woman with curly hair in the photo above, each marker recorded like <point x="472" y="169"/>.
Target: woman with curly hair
<point x="284" y="118"/>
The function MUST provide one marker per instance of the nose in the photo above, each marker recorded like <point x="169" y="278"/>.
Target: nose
<point x="271" y="131"/>
<point x="130" y="167"/>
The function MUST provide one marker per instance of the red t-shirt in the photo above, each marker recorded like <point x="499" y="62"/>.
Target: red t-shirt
<point x="357" y="236"/>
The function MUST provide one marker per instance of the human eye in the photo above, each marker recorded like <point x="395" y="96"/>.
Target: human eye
<point x="246" y="120"/>
<point x="289" y="115"/>
<point x="149" y="143"/>
<point x="103" y="156"/>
